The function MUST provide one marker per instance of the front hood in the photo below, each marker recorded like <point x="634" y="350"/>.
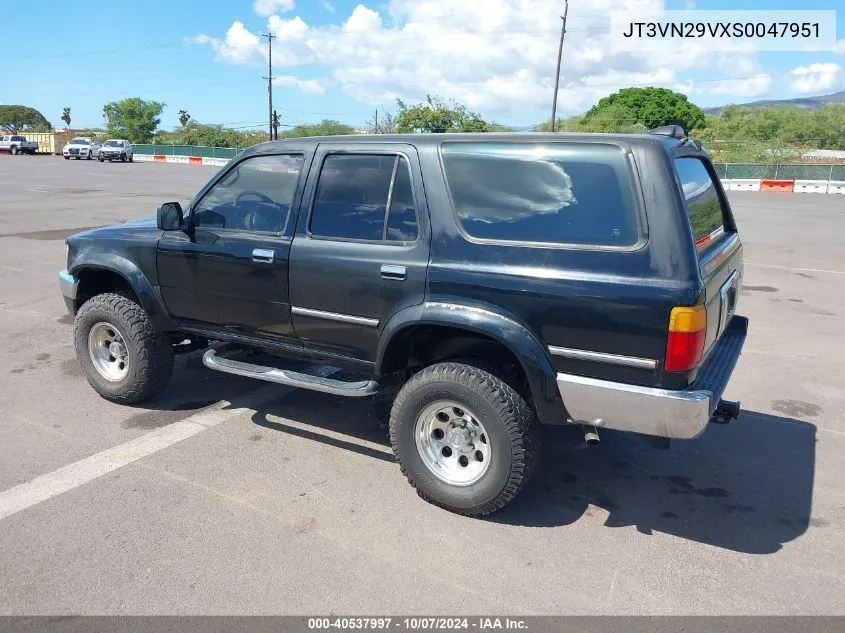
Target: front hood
<point x="137" y="227"/>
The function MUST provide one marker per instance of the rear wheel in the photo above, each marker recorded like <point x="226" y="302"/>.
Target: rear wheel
<point x="123" y="158"/>
<point x="131" y="158"/>
<point x="465" y="439"/>
<point x="124" y="358"/>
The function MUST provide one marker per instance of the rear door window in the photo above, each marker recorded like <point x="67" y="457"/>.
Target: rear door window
<point x="365" y="197"/>
<point x="704" y="207"/>
<point x="556" y="193"/>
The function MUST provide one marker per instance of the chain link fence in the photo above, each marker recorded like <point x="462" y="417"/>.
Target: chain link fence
<point x="186" y="150"/>
<point x="730" y="171"/>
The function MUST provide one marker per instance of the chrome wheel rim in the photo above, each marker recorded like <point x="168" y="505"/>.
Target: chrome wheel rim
<point x="108" y="351"/>
<point x="453" y="443"/>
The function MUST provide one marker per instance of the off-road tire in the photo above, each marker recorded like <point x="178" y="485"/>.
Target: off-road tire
<point x="511" y="425"/>
<point x="150" y="352"/>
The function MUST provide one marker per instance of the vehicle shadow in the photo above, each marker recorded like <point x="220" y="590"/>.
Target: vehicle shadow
<point x="746" y="486"/>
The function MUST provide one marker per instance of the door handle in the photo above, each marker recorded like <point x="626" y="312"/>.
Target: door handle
<point x="389" y="271"/>
<point x="263" y="256"/>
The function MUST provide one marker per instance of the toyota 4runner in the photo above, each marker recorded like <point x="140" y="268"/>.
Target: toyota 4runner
<point x="485" y="283"/>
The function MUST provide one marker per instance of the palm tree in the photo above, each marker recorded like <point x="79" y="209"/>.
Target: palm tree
<point x="66" y="116"/>
<point x="184" y="117"/>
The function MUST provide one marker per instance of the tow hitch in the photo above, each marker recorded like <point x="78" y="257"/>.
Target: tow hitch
<point x="726" y="411"/>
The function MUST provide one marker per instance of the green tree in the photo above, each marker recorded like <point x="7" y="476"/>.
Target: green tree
<point x="66" y="116"/>
<point x="326" y="127"/>
<point x="18" y="118"/>
<point x="134" y="118"/>
<point x="184" y="117"/>
<point x="651" y="107"/>
<point x="435" y="115"/>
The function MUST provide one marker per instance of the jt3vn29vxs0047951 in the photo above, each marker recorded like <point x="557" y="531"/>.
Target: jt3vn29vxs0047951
<point x="483" y="284"/>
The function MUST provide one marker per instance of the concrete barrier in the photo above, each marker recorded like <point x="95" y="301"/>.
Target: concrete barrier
<point x="836" y="186"/>
<point x="810" y="186"/>
<point x="745" y="184"/>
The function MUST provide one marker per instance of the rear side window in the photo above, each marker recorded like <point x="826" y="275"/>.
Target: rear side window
<point x="706" y="215"/>
<point x="365" y="197"/>
<point x="545" y="193"/>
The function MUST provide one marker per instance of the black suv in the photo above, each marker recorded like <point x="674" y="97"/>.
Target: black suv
<point x="485" y="283"/>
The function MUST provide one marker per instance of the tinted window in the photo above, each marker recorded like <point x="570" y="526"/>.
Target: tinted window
<point x="256" y="195"/>
<point x="352" y="197"/>
<point x="703" y="204"/>
<point x="402" y="219"/>
<point x="556" y="193"/>
<point x="18" y="138"/>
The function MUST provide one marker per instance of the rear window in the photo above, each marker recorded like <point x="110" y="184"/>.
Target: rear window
<point x="544" y="193"/>
<point x="706" y="215"/>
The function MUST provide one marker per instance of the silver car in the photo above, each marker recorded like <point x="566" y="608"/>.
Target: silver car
<point x="116" y="149"/>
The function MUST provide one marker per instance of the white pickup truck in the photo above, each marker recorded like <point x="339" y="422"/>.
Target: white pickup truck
<point x="16" y="144"/>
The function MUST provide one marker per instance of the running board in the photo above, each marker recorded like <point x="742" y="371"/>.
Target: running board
<point x="360" y="389"/>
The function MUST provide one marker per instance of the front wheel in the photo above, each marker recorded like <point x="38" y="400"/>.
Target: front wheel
<point x="88" y="157"/>
<point x="124" y="358"/>
<point x="465" y="440"/>
<point x="101" y="159"/>
<point x="13" y="150"/>
<point x="131" y="158"/>
<point x="67" y="157"/>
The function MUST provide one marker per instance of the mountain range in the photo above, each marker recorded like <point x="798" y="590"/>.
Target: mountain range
<point x="801" y="102"/>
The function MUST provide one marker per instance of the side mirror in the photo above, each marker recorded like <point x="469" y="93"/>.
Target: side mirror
<point x="169" y="216"/>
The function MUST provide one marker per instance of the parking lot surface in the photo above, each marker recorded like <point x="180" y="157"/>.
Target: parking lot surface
<point x="231" y="496"/>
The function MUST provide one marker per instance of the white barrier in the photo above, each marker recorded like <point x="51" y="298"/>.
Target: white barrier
<point x="144" y="158"/>
<point x="744" y="184"/>
<point x="836" y="186"/>
<point x="182" y="160"/>
<point x="810" y="186"/>
<point x="214" y="162"/>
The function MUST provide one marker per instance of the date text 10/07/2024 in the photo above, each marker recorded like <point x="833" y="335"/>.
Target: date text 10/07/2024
<point x="418" y="624"/>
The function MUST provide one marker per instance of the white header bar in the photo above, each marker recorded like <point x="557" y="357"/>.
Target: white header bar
<point x="725" y="31"/>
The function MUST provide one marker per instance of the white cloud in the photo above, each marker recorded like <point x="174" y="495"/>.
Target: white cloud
<point x="328" y="6"/>
<point x="311" y="86"/>
<point x="496" y="56"/>
<point x="839" y="47"/>
<point x="267" y="8"/>
<point x="815" y="77"/>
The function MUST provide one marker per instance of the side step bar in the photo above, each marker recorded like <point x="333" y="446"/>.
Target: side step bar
<point x="214" y="360"/>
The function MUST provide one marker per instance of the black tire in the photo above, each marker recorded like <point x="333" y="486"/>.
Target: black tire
<point x="13" y="150"/>
<point x="150" y="354"/>
<point x="101" y="159"/>
<point x="511" y="428"/>
<point x="123" y="158"/>
<point x="131" y="158"/>
<point x="67" y="157"/>
<point x="88" y="157"/>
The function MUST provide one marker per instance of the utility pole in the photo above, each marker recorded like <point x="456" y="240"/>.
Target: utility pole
<point x="275" y="125"/>
<point x="270" y="37"/>
<point x="557" y="72"/>
<point x="376" y="131"/>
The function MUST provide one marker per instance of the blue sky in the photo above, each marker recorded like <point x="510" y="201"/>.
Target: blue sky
<point x="343" y="59"/>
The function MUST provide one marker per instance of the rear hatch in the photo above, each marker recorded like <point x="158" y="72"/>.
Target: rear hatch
<point x="717" y="243"/>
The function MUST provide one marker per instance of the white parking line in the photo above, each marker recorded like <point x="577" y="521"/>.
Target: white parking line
<point x="803" y="270"/>
<point x="74" y="475"/>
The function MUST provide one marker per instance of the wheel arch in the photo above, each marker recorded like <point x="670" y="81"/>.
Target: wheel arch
<point x="116" y="273"/>
<point x="446" y="329"/>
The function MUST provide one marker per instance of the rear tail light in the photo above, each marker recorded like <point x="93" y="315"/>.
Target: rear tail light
<point x="685" y="345"/>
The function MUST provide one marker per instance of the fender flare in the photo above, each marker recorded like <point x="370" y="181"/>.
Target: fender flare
<point x="493" y="322"/>
<point x="148" y="295"/>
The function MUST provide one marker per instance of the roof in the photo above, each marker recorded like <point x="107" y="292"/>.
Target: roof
<point x="434" y="139"/>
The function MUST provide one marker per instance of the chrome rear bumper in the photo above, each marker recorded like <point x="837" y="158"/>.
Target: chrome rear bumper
<point x="680" y="414"/>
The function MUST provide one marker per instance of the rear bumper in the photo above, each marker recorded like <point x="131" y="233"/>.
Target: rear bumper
<point x="69" y="286"/>
<point x="680" y="414"/>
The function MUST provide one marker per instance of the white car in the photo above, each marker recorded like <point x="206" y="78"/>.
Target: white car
<point x="116" y="149"/>
<point x="81" y="148"/>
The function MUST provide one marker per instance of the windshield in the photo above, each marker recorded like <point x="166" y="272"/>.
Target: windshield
<point x="80" y="141"/>
<point x="112" y="144"/>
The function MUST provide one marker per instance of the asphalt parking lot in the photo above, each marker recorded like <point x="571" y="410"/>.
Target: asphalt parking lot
<point x="281" y="501"/>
